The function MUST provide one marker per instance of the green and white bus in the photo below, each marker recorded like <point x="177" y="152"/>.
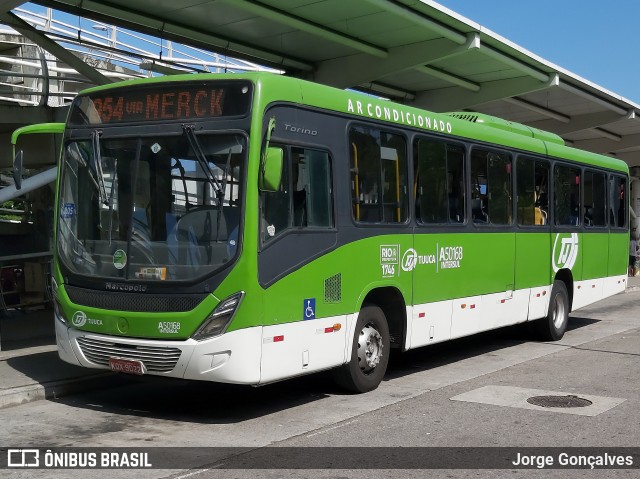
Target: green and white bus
<point x="247" y="228"/>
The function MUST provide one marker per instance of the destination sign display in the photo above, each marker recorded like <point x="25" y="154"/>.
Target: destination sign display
<point x="166" y="102"/>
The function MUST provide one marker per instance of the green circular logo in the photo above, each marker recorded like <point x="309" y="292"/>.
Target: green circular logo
<point x="565" y="251"/>
<point x="119" y="259"/>
<point x="123" y="325"/>
<point x="79" y="319"/>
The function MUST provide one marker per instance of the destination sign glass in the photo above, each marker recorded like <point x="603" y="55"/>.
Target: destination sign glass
<point x="162" y="102"/>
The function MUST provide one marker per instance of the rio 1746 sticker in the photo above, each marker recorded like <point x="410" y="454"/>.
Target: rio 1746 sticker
<point x="389" y="260"/>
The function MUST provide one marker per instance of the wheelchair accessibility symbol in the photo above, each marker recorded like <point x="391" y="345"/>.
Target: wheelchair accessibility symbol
<point x="309" y="309"/>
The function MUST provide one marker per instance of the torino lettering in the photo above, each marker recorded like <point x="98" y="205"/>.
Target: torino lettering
<point x="299" y="129"/>
<point x="399" y="116"/>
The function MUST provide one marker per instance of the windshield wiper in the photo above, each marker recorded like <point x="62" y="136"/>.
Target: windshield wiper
<point x="224" y="188"/>
<point x="114" y="180"/>
<point x="97" y="167"/>
<point x="213" y="181"/>
<point x="202" y="159"/>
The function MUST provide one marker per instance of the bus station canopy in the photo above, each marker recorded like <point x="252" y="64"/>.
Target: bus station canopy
<point x="415" y="52"/>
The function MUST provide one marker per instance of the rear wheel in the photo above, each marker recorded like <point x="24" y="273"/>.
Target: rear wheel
<point x="553" y="326"/>
<point x="369" y="352"/>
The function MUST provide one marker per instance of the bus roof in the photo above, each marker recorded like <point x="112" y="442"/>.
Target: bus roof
<point x="465" y="125"/>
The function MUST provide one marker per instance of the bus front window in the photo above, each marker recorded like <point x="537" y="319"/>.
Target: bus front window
<point x="151" y="208"/>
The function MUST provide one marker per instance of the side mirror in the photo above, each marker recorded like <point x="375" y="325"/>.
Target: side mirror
<point x="51" y="128"/>
<point x="270" y="172"/>
<point x="271" y="169"/>
<point x="17" y="170"/>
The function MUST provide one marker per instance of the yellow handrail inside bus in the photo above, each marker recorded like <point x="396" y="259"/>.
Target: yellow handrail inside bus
<point x="356" y="179"/>
<point x="398" y="187"/>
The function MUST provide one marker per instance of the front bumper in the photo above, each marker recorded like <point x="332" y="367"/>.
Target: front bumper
<point x="230" y="358"/>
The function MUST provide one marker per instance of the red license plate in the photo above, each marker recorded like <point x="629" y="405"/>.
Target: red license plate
<point x="127" y="366"/>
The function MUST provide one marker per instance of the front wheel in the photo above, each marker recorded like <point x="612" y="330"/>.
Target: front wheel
<point x="369" y="352"/>
<point x="553" y="326"/>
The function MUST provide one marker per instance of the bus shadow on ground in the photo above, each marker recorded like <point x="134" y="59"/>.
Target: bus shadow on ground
<point x="578" y="322"/>
<point x="20" y="329"/>
<point x="202" y="402"/>
<point x="211" y="403"/>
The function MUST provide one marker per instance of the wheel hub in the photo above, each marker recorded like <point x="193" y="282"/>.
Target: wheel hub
<point x="558" y="312"/>
<point x="369" y="348"/>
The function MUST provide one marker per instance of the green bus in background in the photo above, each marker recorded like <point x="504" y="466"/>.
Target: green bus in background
<point x="248" y="228"/>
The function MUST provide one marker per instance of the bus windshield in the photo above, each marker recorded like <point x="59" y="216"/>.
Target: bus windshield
<point x="151" y="208"/>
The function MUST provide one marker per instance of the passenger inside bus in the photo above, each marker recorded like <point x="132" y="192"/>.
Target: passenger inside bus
<point x="478" y="212"/>
<point x="541" y="207"/>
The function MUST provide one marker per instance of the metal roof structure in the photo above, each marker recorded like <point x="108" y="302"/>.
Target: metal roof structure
<point x="413" y="51"/>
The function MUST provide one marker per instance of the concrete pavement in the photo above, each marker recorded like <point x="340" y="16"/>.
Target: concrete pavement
<point x="30" y="368"/>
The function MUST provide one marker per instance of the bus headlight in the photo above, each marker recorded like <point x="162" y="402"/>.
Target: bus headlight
<point x="58" y="312"/>
<point x="220" y="318"/>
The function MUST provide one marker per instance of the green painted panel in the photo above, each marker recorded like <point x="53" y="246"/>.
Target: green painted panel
<point x="618" y="253"/>
<point x="455" y="266"/>
<point x="595" y="253"/>
<point x="533" y="260"/>
<point x="136" y="324"/>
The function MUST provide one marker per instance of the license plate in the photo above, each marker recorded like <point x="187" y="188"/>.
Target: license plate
<point x="126" y="366"/>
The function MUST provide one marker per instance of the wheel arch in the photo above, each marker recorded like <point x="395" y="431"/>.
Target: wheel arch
<point x="566" y="277"/>
<point x="391" y="301"/>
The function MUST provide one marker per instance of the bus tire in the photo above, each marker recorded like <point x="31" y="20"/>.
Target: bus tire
<point x="369" y="352"/>
<point x="553" y="326"/>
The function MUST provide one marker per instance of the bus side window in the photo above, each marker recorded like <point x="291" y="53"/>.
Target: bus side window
<point x="379" y="189"/>
<point x="566" y="195"/>
<point x="618" y="201"/>
<point x="532" y="179"/>
<point x="439" y="182"/>
<point x="305" y="198"/>
<point x="595" y="196"/>
<point x="311" y="187"/>
<point x="491" y="187"/>
<point x="276" y="205"/>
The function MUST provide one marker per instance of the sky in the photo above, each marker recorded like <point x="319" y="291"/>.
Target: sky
<point x="596" y="40"/>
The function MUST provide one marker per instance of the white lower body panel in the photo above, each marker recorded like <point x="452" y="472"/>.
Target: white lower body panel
<point x="430" y="324"/>
<point x="294" y="349"/>
<point x="538" y="302"/>
<point x="591" y="290"/>
<point x="614" y="285"/>
<point x="231" y="358"/>
<point x="253" y="356"/>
